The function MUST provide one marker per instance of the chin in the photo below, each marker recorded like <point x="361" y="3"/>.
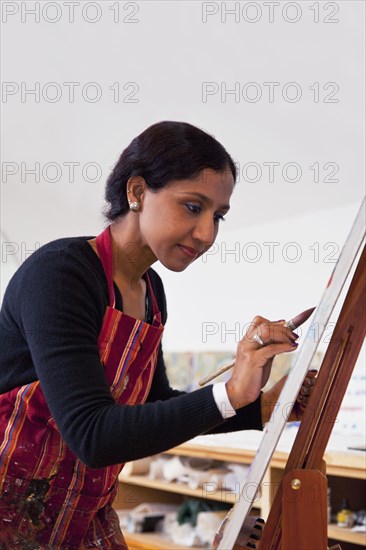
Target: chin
<point x="174" y="267"/>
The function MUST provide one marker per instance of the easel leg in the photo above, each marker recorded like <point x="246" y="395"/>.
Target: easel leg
<point x="304" y="511"/>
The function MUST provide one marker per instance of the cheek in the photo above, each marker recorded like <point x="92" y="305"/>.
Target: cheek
<point x="157" y="228"/>
<point x="159" y="214"/>
<point x="157" y="221"/>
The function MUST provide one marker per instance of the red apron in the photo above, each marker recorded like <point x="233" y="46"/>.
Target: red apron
<point x="49" y="499"/>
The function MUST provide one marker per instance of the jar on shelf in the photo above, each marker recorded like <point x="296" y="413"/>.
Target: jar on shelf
<point x="345" y="516"/>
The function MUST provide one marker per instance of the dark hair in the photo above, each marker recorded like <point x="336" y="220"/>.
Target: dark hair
<point x="164" y="152"/>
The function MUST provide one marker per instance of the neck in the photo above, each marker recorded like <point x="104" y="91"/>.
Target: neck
<point x="132" y="257"/>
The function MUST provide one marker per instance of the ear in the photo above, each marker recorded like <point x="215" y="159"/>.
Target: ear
<point x="136" y="187"/>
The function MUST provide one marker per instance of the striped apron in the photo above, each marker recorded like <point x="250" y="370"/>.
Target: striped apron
<point x="49" y="499"/>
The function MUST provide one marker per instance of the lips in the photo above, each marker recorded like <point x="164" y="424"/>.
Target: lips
<point x="188" y="251"/>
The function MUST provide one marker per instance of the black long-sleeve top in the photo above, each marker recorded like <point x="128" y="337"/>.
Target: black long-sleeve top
<point x="50" y="320"/>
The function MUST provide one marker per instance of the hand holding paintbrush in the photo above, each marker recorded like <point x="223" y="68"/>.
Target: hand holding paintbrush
<point x="292" y="324"/>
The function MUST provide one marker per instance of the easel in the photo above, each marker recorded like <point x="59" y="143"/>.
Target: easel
<point x="304" y="484"/>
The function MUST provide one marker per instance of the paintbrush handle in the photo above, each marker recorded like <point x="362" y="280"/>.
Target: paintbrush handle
<point x="221" y="370"/>
<point x="292" y="324"/>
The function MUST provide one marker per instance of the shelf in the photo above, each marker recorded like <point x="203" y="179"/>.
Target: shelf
<point x="351" y="464"/>
<point x="346" y="535"/>
<point x="173" y="487"/>
<point x="344" y="464"/>
<point x="226" y="455"/>
<point x="346" y="470"/>
<point x="152" y="541"/>
<point x="157" y="541"/>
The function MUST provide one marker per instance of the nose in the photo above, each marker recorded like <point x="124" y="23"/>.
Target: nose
<point x="205" y="231"/>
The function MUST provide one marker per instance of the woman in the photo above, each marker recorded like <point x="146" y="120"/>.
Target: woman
<point x="83" y="386"/>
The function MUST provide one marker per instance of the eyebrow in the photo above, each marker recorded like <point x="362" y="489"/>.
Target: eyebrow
<point x="205" y="199"/>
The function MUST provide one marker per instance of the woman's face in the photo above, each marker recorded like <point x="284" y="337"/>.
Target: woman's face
<point x="180" y="222"/>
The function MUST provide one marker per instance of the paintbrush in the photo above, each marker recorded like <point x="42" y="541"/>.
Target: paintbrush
<point x="292" y="324"/>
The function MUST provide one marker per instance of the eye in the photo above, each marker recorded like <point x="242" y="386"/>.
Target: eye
<point x="219" y="218"/>
<point x="194" y="208"/>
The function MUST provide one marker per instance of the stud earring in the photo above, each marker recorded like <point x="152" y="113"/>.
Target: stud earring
<point x="134" y="206"/>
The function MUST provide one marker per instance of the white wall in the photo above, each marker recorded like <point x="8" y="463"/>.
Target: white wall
<point x="163" y="53"/>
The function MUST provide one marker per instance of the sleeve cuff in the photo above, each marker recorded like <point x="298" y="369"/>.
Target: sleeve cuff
<point x="222" y="401"/>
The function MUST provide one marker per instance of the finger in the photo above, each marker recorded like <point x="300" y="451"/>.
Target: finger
<point x="312" y="373"/>
<point x="302" y="407"/>
<point x="309" y="382"/>
<point x="287" y="330"/>
<point x="306" y="389"/>
<point x="274" y="332"/>
<point x="266" y="353"/>
<point x="303" y="399"/>
<point x="310" y="378"/>
<point x="255" y="329"/>
<point x="258" y="320"/>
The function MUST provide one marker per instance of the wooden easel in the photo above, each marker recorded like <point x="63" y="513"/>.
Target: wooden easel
<point x="303" y="488"/>
<point x="298" y="516"/>
<point x="304" y="480"/>
<point x="290" y="526"/>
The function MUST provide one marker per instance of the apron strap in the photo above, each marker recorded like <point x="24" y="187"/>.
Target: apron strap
<point x="104" y="247"/>
<point x="153" y="299"/>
